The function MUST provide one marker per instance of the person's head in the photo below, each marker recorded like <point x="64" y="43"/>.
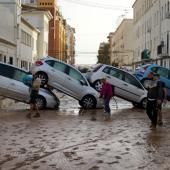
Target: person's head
<point x="156" y="76"/>
<point x="150" y="75"/>
<point x="103" y="79"/>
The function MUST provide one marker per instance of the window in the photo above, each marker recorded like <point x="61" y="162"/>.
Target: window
<point x="75" y="75"/>
<point x="0" y="57"/>
<point x="6" y="71"/>
<point x="4" y="58"/>
<point x="116" y="73"/>
<point x="26" y="38"/>
<point x="50" y="63"/>
<point x="106" y="70"/>
<point x="131" y="80"/>
<point x="10" y="60"/>
<point x="59" y="66"/>
<point x="163" y="72"/>
<point x="19" y="75"/>
<point x="24" y="64"/>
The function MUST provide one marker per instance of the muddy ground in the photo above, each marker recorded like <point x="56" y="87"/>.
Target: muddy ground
<point x="69" y="139"/>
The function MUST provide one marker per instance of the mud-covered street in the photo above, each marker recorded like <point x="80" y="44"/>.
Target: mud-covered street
<point x="69" y="139"/>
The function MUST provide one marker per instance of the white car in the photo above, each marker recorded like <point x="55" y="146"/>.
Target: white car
<point x="12" y="86"/>
<point x="67" y="79"/>
<point x="126" y="86"/>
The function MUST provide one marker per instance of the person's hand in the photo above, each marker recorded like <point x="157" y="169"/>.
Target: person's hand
<point x="164" y="101"/>
<point x="159" y="102"/>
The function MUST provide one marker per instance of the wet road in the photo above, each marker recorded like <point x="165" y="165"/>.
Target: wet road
<point x="68" y="139"/>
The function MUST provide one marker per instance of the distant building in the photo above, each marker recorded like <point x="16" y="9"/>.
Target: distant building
<point x="40" y="19"/>
<point x="121" y="44"/>
<point x="18" y="38"/>
<point x="152" y="32"/>
<point x="70" y="44"/>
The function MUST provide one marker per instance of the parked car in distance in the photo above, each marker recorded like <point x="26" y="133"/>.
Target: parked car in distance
<point x="67" y="79"/>
<point x="142" y="74"/>
<point x="126" y="86"/>
<point x="12" y="86"/>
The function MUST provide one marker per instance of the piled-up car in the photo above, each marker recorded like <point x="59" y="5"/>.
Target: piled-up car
<point x="67" y="79"/>
<point x="126" y="86"/>
<point x="12" y="86"/>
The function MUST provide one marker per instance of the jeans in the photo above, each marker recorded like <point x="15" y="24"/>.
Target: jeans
<point x="106" y="105"/>
<point x="151" y="110"/>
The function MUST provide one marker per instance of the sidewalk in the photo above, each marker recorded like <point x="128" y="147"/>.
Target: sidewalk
<point x="68" y="141"/>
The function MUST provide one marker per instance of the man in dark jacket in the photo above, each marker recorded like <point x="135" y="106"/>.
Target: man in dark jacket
<point x="155" y="97"/>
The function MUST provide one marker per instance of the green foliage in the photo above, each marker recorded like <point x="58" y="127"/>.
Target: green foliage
<point x="103" y="54"/>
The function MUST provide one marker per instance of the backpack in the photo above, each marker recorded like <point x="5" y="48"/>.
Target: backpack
<point x="36" y="84"/>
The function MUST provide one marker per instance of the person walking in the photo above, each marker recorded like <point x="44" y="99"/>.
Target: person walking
<point x="155" y="97"/>
<point x="34" y="90"/>
<point x="106" y="93"/>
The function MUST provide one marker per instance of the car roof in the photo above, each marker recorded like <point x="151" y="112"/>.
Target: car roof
<point x="55" y="59"/>
<point x="14" y="66"/>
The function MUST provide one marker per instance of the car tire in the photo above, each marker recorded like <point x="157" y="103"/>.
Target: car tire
<point x="143" y="103"/>
<point x="44" y="78"/>
<point x="41" y="102"/>
<point x="88" y="102"/>
<point x="97" y="85"/>
<point x="57" y="103"/>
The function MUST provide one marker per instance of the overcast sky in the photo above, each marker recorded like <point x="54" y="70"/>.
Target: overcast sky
<point x="93" y="20"/>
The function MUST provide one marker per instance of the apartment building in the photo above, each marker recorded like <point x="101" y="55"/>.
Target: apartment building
<point x="17" y="37"/>
<point x="121" y="44"/>
<point x="151" y="30"/>
<point x="40" y="19"/>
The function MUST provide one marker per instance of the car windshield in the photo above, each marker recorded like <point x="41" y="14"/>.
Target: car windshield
<point x="95" y="68"/>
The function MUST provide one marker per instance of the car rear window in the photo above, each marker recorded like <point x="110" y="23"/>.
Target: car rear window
<point x="97" y="67"/>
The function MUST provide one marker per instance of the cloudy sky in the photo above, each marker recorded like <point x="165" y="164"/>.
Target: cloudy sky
<point x="93" y="20"/>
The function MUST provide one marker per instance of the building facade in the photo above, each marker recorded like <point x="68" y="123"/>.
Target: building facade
<point x="9" y="31"/>
<point x="40" y="19"/>
<point x="151" y="29"/>
<point x="70" y="44"/>
<point x="122" y="43"/>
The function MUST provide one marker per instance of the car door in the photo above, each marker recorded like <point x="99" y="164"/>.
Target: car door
<point x="57" y="74"/>
<point x="115" y="77"/>
<point x="5" y="79"/>
<point x="18" y="90"/>
<point x="133" y="89"/>
<point x="73" y="84"/>
<point x="164" y="76"/>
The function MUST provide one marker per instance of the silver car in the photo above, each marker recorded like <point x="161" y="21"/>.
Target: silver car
<point x="12" y="86"/>
<point x="125" y="85"/>
<point x="67" y="79"/>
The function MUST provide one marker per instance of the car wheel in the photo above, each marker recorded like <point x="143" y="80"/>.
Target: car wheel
<point x="57" y="103"/>
<point x="97" y="85"/>
<point x="88" y="102"/>
<point x="41" y="102"/>
<point x="43" y="76"/>
<point x="143" y="103"/>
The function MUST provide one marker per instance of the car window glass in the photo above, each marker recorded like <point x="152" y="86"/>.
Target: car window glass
<point x="6" y="71"/>
<point x="19" y="75"/>
<point x="131" y="80"/>
<point x="163" y="72"/>
<point x="116" y="73"/>
<point x="75" y="75"/>
<point x="59" y="66"/>
<point x="154" y="69"/>
<point x="106" y="70"/>
<point x="50" y="62"/>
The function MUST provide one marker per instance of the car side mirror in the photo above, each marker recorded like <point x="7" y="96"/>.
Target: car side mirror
<point x="82" y="82"/>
